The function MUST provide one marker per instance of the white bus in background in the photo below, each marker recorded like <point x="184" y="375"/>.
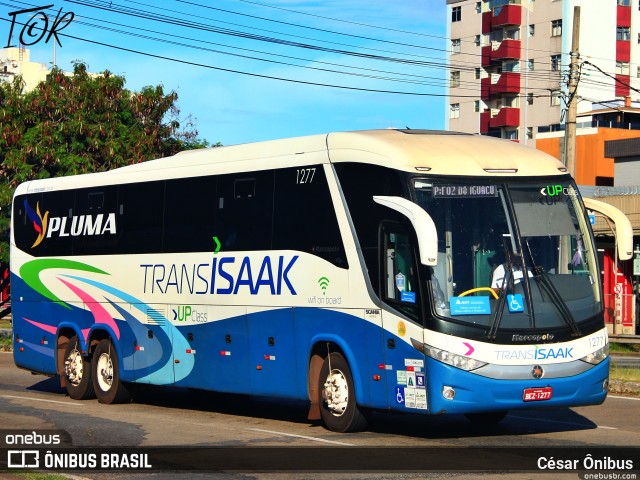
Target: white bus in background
<point x="353" y="270"/>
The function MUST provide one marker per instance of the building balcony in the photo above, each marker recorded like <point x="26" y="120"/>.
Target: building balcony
<point x="622" y="85"/>
<point x="505" y="117"/>
<point x="498" y="84"/>
<point x="501" y="16"/>
<point x="623" y="16"/>
<point x="506" y="15"/>
<point x="498" y="118"/>
<point x="486" y="55"/>
<point x="623" y="51"/>
<point x="496" y="52"/>
<point x="507" y="49"/>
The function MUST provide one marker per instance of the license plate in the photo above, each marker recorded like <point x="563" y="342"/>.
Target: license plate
<point x="536" y="394"/>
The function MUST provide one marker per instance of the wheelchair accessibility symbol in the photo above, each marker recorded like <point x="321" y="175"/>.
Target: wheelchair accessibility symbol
<point x="399" y="395"/>
<point x="516" y="303"/>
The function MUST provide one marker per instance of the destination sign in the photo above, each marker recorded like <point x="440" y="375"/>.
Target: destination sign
<point x="464" y="191"/>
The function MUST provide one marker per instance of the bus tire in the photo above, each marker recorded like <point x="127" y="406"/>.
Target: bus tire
<point x="77" y="372"/>
<point x="105" y="374"/>
<point x="337" y="397"/>
<point x="488" y="418"/>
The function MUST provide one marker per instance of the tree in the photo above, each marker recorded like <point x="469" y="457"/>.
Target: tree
<point x="82" y="123"/>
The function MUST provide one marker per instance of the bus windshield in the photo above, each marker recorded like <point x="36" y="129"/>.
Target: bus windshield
<point x="511" y="256"/>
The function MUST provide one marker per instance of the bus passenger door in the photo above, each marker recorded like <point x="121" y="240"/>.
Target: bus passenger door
<point x="401" y="318"/>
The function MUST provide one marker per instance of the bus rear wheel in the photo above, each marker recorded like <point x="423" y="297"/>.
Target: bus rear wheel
<point x="77" y="371"/>
<point x="337" y="396"/>
<point x="105" y="375"/>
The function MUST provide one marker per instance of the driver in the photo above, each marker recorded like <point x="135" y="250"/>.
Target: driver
<point x="497" y="277"/>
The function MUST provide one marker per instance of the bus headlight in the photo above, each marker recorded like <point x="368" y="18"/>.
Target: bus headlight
<point x="597" y="356"/>
<point x="458" y="361"/>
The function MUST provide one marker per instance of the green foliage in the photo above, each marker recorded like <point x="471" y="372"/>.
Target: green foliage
<point x="82" y="123"/>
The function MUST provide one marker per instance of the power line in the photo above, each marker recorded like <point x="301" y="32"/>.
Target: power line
<point x="473" y="86"/>
<point x="190" y="24"/>
<point x="611" y="76"/>
<point x="342" y="21"/>
<point x="251" y="74"/>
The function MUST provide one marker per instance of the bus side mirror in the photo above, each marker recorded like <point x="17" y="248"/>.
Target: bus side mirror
<point x="422" y="224"/>
<point x="624" y="231"/>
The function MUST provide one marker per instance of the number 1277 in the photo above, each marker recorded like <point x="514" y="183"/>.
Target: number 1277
<point x="305" y="175"/>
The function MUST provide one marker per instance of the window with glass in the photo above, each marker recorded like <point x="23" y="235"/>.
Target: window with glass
<point x="622" y="68"/>
<point x="623" y="34"/>
<point x="556" y="62"/>
<point x="456" y="14"/>
<point x="400" y="282"/>
<point x="556" y="28"/>
<point x="455" y="79"/>
<point x="511" y="66"/>
<point x="454" y="110"/>
<point x="455" y="45"/>
<point x="511" y="134"/>
<point x="511" y="256"/>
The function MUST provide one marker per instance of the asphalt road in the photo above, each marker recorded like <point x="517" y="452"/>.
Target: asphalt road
<point x="182" y="418"/>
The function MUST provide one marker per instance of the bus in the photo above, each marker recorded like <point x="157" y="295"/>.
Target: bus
<point x="351" y="270"/>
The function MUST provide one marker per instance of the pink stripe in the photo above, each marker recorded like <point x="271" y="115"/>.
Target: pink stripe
<point x="85" y="333"/>
<point x="99" y="313"/>
<point x="46" y="328"/>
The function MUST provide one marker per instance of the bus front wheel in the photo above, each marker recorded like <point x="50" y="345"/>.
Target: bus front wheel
<point x="337" y="396"/>
<point x="77" y="371"/>
<point x="105" y="375"/>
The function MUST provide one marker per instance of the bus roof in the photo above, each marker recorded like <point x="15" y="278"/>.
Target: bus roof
<point x="436" y="152"/>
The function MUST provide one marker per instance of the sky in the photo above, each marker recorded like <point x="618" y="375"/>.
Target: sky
<point x="253" y="70"/>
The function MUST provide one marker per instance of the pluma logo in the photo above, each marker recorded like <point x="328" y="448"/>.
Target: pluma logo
<point x="38" y="221"/>
<point x="73" y="226"/>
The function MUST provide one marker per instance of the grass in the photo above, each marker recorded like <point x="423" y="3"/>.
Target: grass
<point x="624" y="348"/>
<point x="41" y="476"/>
<point x="5" y="323"/>
<point x="625" y="374"/>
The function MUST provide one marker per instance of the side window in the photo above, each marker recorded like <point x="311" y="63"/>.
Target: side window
<point x="244" y="211"/>
<point x="400" y="284"/>
<point x="305" y="218"/>
<point x="190" y="205"/>
<point x="140" y="212"/>
<point x="98" y="219"/>
<point x="359" y="183"/>
<point x="41" y="223"/>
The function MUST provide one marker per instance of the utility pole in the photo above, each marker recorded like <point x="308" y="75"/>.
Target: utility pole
<point x="572" y="106"/>
<point x="570" y="127"/>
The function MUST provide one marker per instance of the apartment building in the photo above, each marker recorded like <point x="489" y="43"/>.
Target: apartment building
<point x="16" y="61"/>
<point x="509" y="62"/>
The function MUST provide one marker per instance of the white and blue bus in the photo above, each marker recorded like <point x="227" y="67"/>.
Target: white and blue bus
<point x="352" y="270"/>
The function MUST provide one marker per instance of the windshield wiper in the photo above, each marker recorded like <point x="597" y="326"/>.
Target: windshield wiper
<point x="507" y="280"/>
<point x="545" y="283"/>
<point x="497" y="318"/>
